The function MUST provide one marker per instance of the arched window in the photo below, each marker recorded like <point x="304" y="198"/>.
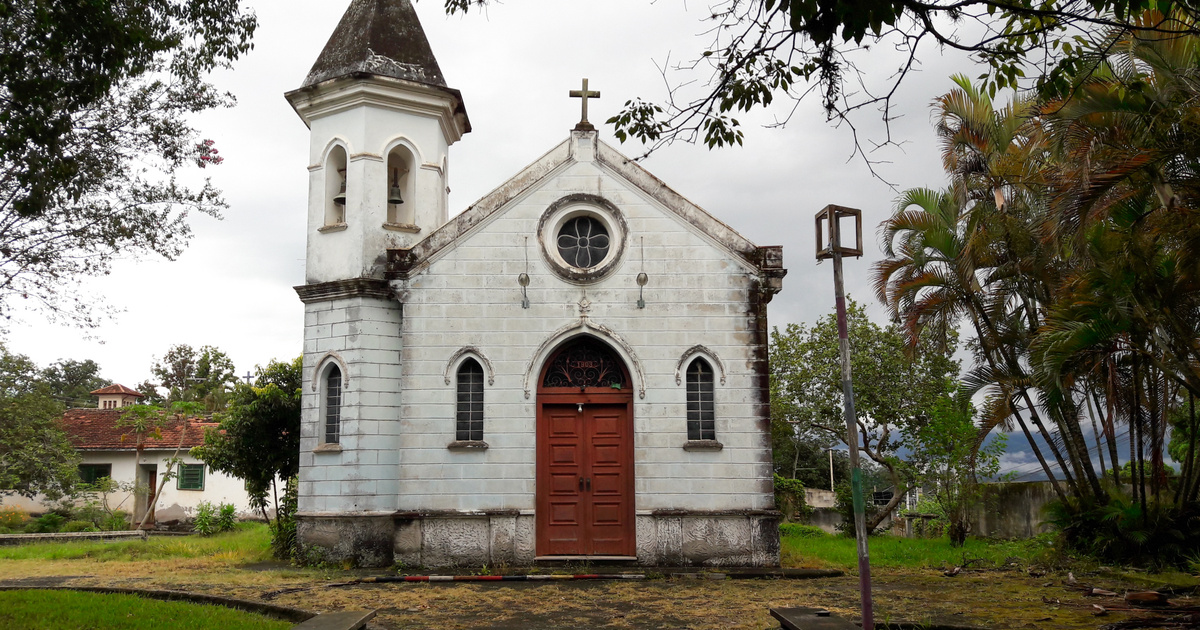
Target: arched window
<point x="333" y="404"/>
<point x="400" y="190"/>
<point x="335" y="186"/>
<point x="701" y="413"/>
<point x="470" y="402"/>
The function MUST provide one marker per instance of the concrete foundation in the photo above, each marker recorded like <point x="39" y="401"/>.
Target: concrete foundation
<point x="507" y="537"/>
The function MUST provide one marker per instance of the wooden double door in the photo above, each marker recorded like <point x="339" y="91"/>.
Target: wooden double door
<point x="585" y="475"/>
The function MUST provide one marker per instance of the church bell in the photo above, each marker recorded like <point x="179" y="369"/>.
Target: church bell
<point x="340" y="197"/>
<point x="394" y="196"/>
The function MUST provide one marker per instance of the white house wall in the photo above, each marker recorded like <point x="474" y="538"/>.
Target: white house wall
<point x="218" y="487"/>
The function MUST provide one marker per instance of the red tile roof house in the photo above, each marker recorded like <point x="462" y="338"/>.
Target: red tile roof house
<point x="109" y="450"/>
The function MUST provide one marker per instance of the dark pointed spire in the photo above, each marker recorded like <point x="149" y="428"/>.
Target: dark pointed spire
<point x="380" y="37"/>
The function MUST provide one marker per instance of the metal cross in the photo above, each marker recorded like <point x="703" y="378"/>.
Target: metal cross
<point x="585" y="95"/>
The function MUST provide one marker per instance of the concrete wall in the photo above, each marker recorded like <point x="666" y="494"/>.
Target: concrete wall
<point x="362" y="336"/>
<point x="1012" y="510"/>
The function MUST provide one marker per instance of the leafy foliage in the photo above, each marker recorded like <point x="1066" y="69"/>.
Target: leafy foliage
<point x="213" y="519"/>
<point x="95" y="99"/>
<point x="35" y="454"/>
<point x="944" y="456"/>
<point x="72" y="382"/>
<point x="893" y="389"/>
<point x="258" y="440"/>
<point x="202" y="375"/>
<point x="789" y="497"/>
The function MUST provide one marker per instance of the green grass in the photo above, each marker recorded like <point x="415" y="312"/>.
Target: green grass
<point x="68" y="610"/>
<point x="249" y="542"/>
<point x="804" y="546"/>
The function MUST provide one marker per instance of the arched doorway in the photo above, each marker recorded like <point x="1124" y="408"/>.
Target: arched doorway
<point x="585" y="486"/>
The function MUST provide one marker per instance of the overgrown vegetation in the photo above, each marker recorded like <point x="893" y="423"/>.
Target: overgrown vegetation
<point x="54" y="610"/>
<point x="248" y="542"/>
<point x="1068" y="242"/>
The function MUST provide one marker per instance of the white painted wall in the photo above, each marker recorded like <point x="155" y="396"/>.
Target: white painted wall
<point x="368" y="118"/>
<point x="400" y="415"/>
<point x="218" y="487"/>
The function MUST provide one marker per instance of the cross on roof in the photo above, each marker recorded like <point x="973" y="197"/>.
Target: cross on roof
<point x="584" y="94"/>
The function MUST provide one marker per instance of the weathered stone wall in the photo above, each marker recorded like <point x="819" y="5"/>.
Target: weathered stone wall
<point x="1012" y="510"/>
<point x="361" y="334"/>
<point x="699" y="294"/>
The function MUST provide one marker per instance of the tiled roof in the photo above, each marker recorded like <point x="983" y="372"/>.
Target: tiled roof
<point x="117" y="388"/>
<point x="96" y="429"/>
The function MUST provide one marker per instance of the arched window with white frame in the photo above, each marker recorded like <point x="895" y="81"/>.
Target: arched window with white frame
<point x="701" y="408"/>
<point x="332" y="400"/>
<point x="469" y="416"/>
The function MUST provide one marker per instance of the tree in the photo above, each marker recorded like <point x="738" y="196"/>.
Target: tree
<point x="72" y="382"/>
<point x="761" y="50"/>
<point x="196" y="375"/>
<point x="258" y="439"/>
<point x="894" y="390"/>
<point x="944" y="458"/>
<point x="35" y="455"/>
<point x="95" y="99"/>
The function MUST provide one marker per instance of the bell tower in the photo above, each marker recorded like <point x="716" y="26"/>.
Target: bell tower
<point x="381" y="121"/>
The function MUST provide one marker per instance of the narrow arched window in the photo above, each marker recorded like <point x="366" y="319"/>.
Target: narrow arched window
<point x="333" y="404"/>
<point x="701" y="413"/>
<point x="470" y="402"/>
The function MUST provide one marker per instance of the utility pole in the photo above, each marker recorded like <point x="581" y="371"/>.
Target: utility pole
<point x="831" y="489"/>
<point x="832" y="248"/>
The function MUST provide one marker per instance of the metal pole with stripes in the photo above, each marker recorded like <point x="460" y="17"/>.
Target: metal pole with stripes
<point x="828" y="222"/>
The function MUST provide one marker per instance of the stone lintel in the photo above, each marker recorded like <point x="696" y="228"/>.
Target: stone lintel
<point x="342" y="289"/>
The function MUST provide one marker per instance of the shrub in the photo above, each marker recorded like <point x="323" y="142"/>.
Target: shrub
<point x="796" y="530"/>
<point x="118" y="521"/>
<point x="213" y="519"/>
<point x="226" y="517"/>
<point x="1119" y="531"/>
<point x="845" y="507"/>
<point x="79" y="526"/>
<point x="205" y="522"/>
<point x="283" y="530"/>
<point x="789" y="496"/>
<point x="12" y="517"/>
<point x="46" y="524"/>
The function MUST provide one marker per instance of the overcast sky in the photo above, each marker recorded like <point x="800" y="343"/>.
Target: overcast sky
<point x="514" y="65"/>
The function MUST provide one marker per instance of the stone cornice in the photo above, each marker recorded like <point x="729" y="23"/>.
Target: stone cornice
<point x="342" y="289"/>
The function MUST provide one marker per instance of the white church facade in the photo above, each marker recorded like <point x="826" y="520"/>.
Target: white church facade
<point x="573" y="367"/>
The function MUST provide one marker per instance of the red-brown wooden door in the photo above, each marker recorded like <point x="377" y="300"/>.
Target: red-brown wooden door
<point x="585" y="478"/>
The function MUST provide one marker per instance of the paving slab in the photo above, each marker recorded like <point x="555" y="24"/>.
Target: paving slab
<point x="344" y="620"/>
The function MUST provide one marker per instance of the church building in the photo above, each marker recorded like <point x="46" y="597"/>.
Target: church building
<point x="574" y="367"/>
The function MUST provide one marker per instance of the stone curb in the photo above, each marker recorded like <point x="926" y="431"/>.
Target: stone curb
<point x="285" y="613"/>
<point x="20" y="539"/>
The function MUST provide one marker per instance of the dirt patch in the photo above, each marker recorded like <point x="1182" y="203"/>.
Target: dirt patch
<point x="992" y="599"/>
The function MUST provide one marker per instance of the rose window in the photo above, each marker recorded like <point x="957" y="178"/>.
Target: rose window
<point x="583" y="242"/>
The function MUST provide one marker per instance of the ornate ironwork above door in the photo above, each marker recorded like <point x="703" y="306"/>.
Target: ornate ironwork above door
<point x="583" y="363"/>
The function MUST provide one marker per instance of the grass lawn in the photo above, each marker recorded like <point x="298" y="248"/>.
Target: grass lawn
<point x="907" y="580"/>
<point x="64" y="610"/>
<point x="802" y="546"/>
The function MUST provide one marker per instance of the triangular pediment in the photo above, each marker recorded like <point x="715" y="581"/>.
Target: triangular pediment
<point x="404" y="262"/>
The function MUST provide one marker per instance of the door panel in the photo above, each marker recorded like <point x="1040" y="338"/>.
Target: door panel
<point x="585" y="480"/>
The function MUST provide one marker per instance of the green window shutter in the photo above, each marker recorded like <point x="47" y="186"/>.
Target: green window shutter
<point x="191" y="477"/>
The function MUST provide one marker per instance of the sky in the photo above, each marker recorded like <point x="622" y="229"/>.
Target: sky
<point x="514" y="64"/>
